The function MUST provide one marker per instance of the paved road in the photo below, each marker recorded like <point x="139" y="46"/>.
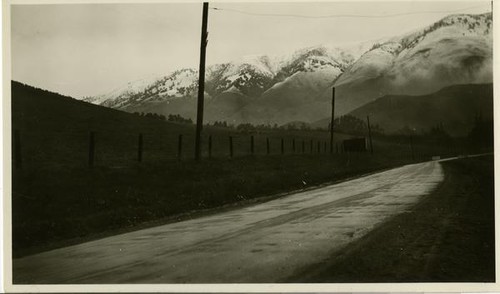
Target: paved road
<point x="262" y="243"/>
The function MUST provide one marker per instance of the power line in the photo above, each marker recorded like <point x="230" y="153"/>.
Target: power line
<point x="341" y="15"/>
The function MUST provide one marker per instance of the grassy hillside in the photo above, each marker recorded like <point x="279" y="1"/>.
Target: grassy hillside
<point x="455" y="107"/>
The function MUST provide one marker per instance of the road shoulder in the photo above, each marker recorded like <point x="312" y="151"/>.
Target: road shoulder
<point x="447" y="237"/>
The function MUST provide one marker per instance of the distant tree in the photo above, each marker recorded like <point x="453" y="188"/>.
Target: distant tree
<point x="305" y="127"/>
<point x="350" y="124"/>
<point x="438" y="132"/>
<point x="179" y="119"/>
<point x="245" y="127"/>
<point x="480" y="137"/>
<point x="406" y="130"/>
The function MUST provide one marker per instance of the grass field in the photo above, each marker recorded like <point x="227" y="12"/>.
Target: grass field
<point x="447" y="237"/>
<point x="57" y="199"/>
<point x="55" y="205"/>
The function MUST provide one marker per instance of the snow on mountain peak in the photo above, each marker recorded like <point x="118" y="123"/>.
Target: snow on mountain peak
<point x="453" y="43"/>
<point x="178" y="84"/>
<point x="127" y="90"/>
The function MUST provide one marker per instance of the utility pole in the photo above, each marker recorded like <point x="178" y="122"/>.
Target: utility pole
<point x="201" y="82"/>
<point x="333" y="119"/>
<point x="370" y="134"/>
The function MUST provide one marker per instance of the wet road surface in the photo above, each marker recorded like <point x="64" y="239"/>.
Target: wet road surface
<point x="263" y="243"/>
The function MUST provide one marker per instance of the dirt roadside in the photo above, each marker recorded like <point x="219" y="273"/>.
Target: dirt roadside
<point x="448" y="237"/>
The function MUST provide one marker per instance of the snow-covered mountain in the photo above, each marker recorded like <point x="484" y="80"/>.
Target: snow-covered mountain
<point x="180" y="83"/>
<point x="233" y="85"/>
<point x="250" y="75"/>
<point x="301" y="78"/>
<point x="455" y="50"/>
<point x="279" y="89"/>
<point x="124" y="92"/>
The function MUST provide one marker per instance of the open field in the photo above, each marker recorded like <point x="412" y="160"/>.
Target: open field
<point x="51" y="205"/>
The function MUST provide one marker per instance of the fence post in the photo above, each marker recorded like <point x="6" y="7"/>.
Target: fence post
<point x="324" y="147"/>
<point x="179" y="147"/>
<point x="311" y="146"/>
<point x="267" y="146"/>
<point x="332" y="120"/>
<point x="303" y="146"/>
<point x="252" y="150"/>
<point x="91" y="149"/>
<point x="210" y="146"/>
<point x="282" y="146"/>
<point x="369" y="134"/>
<point x="18" y="159"/>
<point x="139" y="148"/>
<point x="337" y="147"/>
<point x="319" y="147"/>
<point x="293" y="145"/>
<point x="231" y="146"/>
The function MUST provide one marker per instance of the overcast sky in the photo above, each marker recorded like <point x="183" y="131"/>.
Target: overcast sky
<point x="89" y="49"/>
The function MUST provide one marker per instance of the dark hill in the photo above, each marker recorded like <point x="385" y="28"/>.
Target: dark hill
<point x="54" y="131"/>
<point x="455" y="107"/>
<point x="34" y="108"/>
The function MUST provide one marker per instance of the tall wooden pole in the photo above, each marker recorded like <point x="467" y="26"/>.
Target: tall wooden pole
<point x="333" y="119"/>
<point x="201" y="82"/>
<point x="369" y="134"/>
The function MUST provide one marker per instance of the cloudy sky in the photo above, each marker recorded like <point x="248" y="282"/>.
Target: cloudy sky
<point x="90" y="49"/>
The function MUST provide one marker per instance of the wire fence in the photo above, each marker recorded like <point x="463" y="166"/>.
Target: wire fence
<point x="117" y="149"/>
<point x="107" y="148"/>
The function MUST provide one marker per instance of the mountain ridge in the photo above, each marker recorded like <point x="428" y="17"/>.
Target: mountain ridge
<point x="273" y="89"/>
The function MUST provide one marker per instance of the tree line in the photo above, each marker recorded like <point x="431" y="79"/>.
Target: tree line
<point x="171" y="117"/>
